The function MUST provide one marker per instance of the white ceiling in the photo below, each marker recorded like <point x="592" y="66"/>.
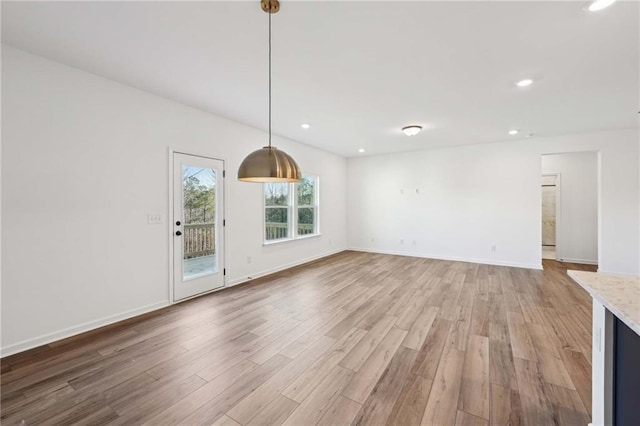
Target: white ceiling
<point x="358" y="72"/>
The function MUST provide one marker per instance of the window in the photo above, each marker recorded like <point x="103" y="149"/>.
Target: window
<point x="306" y="206"/>
<point x="277" y="213"/>
<point x="291" y="209"/>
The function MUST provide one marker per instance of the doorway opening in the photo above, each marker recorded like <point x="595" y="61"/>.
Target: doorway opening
<point x="569" y="207"/>
<point x="550" y="184"/>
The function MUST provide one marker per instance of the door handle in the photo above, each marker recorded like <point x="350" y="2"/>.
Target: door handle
<point x="178" y="233"/>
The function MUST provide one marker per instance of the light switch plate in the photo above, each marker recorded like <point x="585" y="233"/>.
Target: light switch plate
<point x="154" y="218"/>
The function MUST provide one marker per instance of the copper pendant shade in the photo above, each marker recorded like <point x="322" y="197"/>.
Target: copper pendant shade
<point x="269" y="164"/>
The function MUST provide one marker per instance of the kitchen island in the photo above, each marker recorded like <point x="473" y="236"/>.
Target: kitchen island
<point x="615" y="346"/>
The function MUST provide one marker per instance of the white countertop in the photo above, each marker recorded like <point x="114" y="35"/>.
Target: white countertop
<point x="620" y="294"/>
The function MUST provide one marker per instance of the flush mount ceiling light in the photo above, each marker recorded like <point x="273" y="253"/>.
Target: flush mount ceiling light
<point x="597" y="5"/>
<point x="361" y="150"/>
<point x="269" y="164"/>
<point x="513" y="132"/>
<point x="524" y="83"/>
<point x="305" y="126"/>
<point x="411" y="130"/>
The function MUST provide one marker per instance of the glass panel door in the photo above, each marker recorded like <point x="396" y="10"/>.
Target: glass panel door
<point x="198" y="248"/>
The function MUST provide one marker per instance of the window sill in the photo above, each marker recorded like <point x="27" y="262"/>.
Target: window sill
<point x="288" y="240"/>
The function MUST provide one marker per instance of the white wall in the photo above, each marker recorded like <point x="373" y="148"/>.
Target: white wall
<point x="577" y="208"/>
<point x="472" y="198"/>
<point x="84" y="160"/>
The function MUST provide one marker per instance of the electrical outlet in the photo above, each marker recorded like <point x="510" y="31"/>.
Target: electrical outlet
<point x="249" y="259"/>
<point x="414" y="242"/>
<point x="401" y="241"/>
<point x="493" y="248"/>
<point x="154" y="218"/>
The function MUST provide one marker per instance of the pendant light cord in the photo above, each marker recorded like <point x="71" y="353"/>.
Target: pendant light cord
<point x="269" y="79"/>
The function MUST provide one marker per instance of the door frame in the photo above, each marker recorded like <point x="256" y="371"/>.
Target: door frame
<point x="170" y="227"/>
<point x="558" y="213"/>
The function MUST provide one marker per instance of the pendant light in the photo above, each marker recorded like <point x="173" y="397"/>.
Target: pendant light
<point x="269" y="164"/>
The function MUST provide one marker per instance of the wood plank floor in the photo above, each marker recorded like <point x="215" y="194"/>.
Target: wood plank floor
<point x="355" y="338"/>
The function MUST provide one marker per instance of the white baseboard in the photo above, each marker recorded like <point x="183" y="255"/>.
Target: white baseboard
<point x="452" y="258"/>
<point x="237" y="281"/>
<point x="81" y="328"/>
<point x="583" y="261"/>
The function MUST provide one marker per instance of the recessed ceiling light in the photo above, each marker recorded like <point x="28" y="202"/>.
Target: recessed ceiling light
<point x="305" y="126"/>
<point x="513" y="132"/>
<point x="361" y="150"/>
<point x="411" y="130"/>
<point x="597" y="5"/>
<point x="524" y="83"/>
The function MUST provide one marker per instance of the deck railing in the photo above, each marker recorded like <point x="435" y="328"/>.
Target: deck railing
<point x="305" y="228"/>
<point x="199" y="239"/>
<point x="277" y="230"/>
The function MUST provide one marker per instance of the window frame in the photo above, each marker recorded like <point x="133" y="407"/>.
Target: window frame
<point x="292" y="208"/>
<point x="287" y="207"/>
